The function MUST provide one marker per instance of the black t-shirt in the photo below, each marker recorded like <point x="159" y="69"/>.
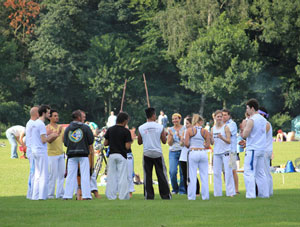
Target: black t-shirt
<point x="117" y="136"/>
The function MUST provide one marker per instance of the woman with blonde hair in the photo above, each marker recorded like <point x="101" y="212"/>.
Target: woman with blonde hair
<point x="220" y="138"/>
<point x="174" y="138"/>
<point x="197" y="140"/>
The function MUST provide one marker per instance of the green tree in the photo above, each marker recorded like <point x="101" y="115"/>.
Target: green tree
<point x="221" y="63"/>
<point x="63" y="36"/>
<point x="109" y="62"/>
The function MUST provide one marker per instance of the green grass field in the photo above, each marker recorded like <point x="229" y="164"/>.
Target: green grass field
<point x="283" y="209"/>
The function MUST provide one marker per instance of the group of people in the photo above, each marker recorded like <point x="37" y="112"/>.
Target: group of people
<point x="190" y="143"/>
<point x="188" y="148"/>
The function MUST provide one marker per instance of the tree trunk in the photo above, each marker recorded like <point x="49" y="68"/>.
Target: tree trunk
<point x="224" y="104"/>
<point x="109" y="104"/>
<point x="201" y="111"/>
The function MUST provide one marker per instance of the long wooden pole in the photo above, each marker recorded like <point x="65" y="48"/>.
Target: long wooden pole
<point x="148" y="102"/>
<point x="123" y="96"/>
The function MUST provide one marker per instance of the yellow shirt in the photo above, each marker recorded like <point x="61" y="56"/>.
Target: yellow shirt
<point x="56" y="147"/>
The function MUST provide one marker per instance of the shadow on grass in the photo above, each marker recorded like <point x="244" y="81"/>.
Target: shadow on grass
<point x="281" y="209"/>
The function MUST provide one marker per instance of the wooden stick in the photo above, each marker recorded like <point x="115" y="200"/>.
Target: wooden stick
<point x="146" y="90"/>
<point x="123" y="96"/>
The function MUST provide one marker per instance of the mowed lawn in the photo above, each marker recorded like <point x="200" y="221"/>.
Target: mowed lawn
<point x="283" y="209"/>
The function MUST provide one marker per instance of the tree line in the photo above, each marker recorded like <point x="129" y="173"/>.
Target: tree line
<point x="197" y="55"/>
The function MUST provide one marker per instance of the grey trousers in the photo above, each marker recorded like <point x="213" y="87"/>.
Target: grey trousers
<point x="117" y="180"/>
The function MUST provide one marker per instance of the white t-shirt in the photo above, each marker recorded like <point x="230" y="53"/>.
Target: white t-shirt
<point x="37" y="145"/>
<point x="257" y="139"/>
<point x="150" y="133"/>
<point x="112" y="120"/>
<point x="16" y="130"/>
<point x="29" y="128"/>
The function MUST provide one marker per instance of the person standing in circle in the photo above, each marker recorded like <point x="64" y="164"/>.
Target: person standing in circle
<point x="184" y="154"/>
<point x="197" y="140"/>
<point x="174" y="138"/>
<point x="220" y="138"/>
<point x="151" y="134"/>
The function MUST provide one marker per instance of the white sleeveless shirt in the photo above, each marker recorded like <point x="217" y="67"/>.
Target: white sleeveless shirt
<point x="269" y="139"/>
<point x="220" y="147"/>
<point x="197" y="141"/>
<point x="257" y="139"/>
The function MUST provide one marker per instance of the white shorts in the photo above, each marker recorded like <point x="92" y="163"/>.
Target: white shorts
<point x="232" y="160"/>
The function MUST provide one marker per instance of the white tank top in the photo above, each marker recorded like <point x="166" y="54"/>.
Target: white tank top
<point x="257" y="139"/>
<point x="220" y="147"/>
<point x="269" y="138"/>
<point x="197" y="141"/>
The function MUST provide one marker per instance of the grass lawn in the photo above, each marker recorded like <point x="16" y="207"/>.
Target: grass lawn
<point x="283" y="209"/>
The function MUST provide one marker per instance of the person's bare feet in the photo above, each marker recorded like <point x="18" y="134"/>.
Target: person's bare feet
<point x="96" y="194"/>
<point x="130" y="194"/>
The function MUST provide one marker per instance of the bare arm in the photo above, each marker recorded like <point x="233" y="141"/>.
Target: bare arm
<point x="227" y="134"/>
<point x="163" y="137"/>
<point x="206" y="138"/>
<point x="106" y="143"/>
<point x="170" y="138"/>
<point x="140" y="139"/>
<point x="248" y="129"/>
<point x="268" y="127"/>
<point x="128" y="145"/>
<point x="212" y="141"/>
<point x="187" y="137"/>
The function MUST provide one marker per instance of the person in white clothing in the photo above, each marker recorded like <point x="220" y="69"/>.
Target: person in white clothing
<point x="255" y="135"/>
<point x="56" y="157"/>
<point x="112" y="119"/>
<point x="34" y="115"/>
<point x="184" y="154"/>
<point x="15" y="135"/>
<point x="79" y="139"/>
<point x="197" y="139"/>
<point x="39" y="152"/>
<point x="269" y="149"/>
<point x="151" y="134"/>
<point x="233" y="143"/>
<point x="119" y="140"/>
<point x="220" y="138"/>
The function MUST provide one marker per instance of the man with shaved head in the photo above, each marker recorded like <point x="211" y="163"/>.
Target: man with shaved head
<point x="34" y="114"/>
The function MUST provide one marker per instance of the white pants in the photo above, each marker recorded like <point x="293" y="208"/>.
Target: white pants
<point x="41" y="176"/>
<point x="93" y="182"/>
<point x="198" y="159"/>
<point x="268" y="157"/>
<point x="218" y="161"/>
<point x="117" y="177"/>
<point x="254" y="172"/>
<point x="130" y="171"/>
<point x="56" y="174"/>
<point x="31" y="176"/>
<point x="71" y="181"/>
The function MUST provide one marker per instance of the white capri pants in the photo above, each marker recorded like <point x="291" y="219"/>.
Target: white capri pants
<point x="198" y="159"/>
<point x="31" y="174"/>
<point x="117" y="177"/>
<point x="254" y="172"/>
<point x="41" y="176"/>
<point x="268" y="157"/>
<point x="71" y="181"/>
<point x="56" y="176"/>
<point x="130" y="163"/>
<point x="218" y="161"/>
